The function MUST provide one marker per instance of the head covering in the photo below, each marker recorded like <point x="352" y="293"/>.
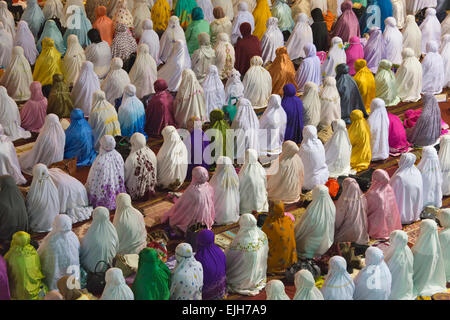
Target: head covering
<point x="412" y="35"/>
<point x="6" y="46"/>
<point x="338" y="150"/>
<point x="393" y="40"/>
<point x="49" y="145"/>
<point x="234" y="87"/>
<point x="386" y="84"/>
<point x="9" y="163"/>
<point x="338" y="284"/>
<point x="399" y="260"/>
<point x="351" y="214"/>
<point x="445" y="54"/>
<point x="225" y="55"/>
<point x="408" y="189"/>
<point x="59" y="100"/>
<point x="7" y="18"/>
<point x="80" y="29"/>
<point x="347" y="24"/>
<point x="246" y="120"/>
<point x="311" y="103"/>
<point x="51" y="31"/>
<point x="160" y="14"/>
<point x="123" y="44"/>
<point x="172" y="33"/>
<point x="175" y="65"/>
<point x="183" y="10"/>
<point x="433" y="70"/>
<point x="273" y="121"/>
<point x="444" y="161"/>
<point x="159" y="111"/>
<point x="143" y="73"/>
<point x="282" y="71"/>
<point x="197" y="26"/>
<point x="431" y="28"/>
<point x="282" y="11"/>
<point x="188" y="271"/>
<point x="116" y="287"/>
<point x="429" y="269"/>
<point x="397" y="135"/>
<point x="207" y="8"/>
<point x="309" y="70"/>
<point x="409" y="77"/>
<point x="24" y="269"/>
<point x="293" y="107"/>
<point x="319" y="30"/>
<point x="261" y="13"/>
<point x="379" y="130"/>
<point x="106" y="175"/>
<point x="203" y="56"/>
<point x="103" y="24"/>
<point x="85" y="86"/>
<point x="59" y="250"/>
<point x="249" y="248"/>
<point x="374" y="49"/>
<point x="48" y="63"/>
<point x="4" y="292"/>
<point x="428" y="127"/>
<point x="99" y="53"/>
<point x="25" y="39"/>
<point x="275" y="290"/>
<point x="243" y="16"/>
<point x="122" y="15"/>
<point x="335" y="56"/>
<point x="10" y="117"/>
<point x="365" y="81"/>
<point x="354" y="52"/>
<point x="432" y="177"/>
<point x="73" y="59"/>
<point x="330" y="103"/>
<point x="314" y="232"/>
<point x="53" y="8"/>
<point x="246" y="48"/>
<point x="257" y="83"/>
<point x="305" y="286"/>
<point x="17" y="76"/>
<point x="365" y="289"/>
<point x="360" y="138"/>
<point x="150" y="38"/>
<point x="301" y="36"/>
<point x="13" y="212"/>
<point x="351" y="99"/>
<point x="141" y="13"/>
<point x="214" y="90"/>
<point x="271" y="40"/>
<point x="115" y="82"/>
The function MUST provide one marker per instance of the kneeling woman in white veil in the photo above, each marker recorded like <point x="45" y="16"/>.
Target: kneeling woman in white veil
<point x="257" y="83"/>
<point x="273" y="126"/>
<point x="247" y="258"/>
<point x="177" y="61"/>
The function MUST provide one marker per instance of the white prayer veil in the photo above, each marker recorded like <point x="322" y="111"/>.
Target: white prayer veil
<point x="87" y="83"/>
<point x="393" y="41"/>
<point x="433" y="69"/>
<point x="445" y="54"/>
<point x="141" y="13"/>
<point x="9" y="163"/>
<point x="116" y="288"/>
<point x="330" y="103"/>
<point x="225" y="183"/>
<point x="100" y="242"/>
<point x="42" y="200"/>
<point x="336" y="55"/>
<point x="53" y="8"/>
<point x="338" y="284"/>
<point x="300" y="36"/>
<point x="115" y="82"/>
<point x="234" y="86"/>
<point x="73" y="60"/>
<point x="305" y="286"/>
<point x="429" y="269"/>
<point x="17" y="76"/>
<point x="311" y="104"/>
<point x="409" y="77"/>
<point x="172" y="159"/>
<point x="243" y="15"/>
<point x="59" y="251"/>
<point x="412" y="36"/>
<point x="272" y="125"/>
<point x="100" y="55"/>
<point x="399" y="12"/>
<point x="444" y="161"/>
<point x="49" y="145"/>
<point x="431" y="28"/>
<point x="6" y="45"/>
<point x="399" y="259"/>
<point x="247" y="121"/>
<point x="444" y="239"/>
<point x="432" y="180"/>
<point x="214" y="90"/>
<point x="171" y="35"/>
<point x="271" y="40"/>
<point x="275" y="290"/>
<point x="246" y="258"/>
<point x="257" y="83"/>
<point x="7" y="18"/>
<point x="151" y="39"/>
<point x="143" y="74"/>
<point x="25" y="39"/>
<point x="379" y="130"/>
<point x="10" y="117"/>
<point x="408" y="189"/>
<point x="176" y="64"/>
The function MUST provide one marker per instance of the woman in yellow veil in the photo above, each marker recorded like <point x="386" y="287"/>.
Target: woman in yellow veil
<point x="359" y="134"/>
<point x="48" y="63"/>
<point x="261" y="15"/>
<point x="365" y="81"/>
<point x="160" y="14"/>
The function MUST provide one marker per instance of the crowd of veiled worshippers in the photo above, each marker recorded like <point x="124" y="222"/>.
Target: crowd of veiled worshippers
<point x="307" y="84"/>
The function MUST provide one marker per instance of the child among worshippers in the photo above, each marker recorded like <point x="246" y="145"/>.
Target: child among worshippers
<point x="80" y="29"/>
<point x="399" y="260"/>
<point x="444" y="162"/>
<point x="429" y="268"/>
<point x="241" y="16"/>
<point x="432" y="178"/>
<point x="115" y="286"/>
<point x="49" y="145"/>
<point x="99" y="53"/>
<point x="59" y="251"/>
<point x="408" y="188"/>
<point x="143" y="74"/>
<point x="159" y="111"/>
<point x="386" y="84"/>
<point x="172" y="160"/>
<point x="430" y="28"/>
<point x="17" y="76"/>
<point x="240" y="278"/>
<point x="444" y="239"/>
<point x="247" y="47"/>
<point x="12" y="208"/>
<point x="225" y="56"/>
<point x="52" y="32"/>
<point x="433" y="71"/>
<point x="379" y="130"/>
<point x="221" y="24"/>
<point x="213" y="263"/>
<point x="279" y="228"/>
<point x="348" y="90"/>
<point x="301" y="36"/>
<point x="115" y="82"/>
<point x="252" y="183"/>
<point x="48" y="63"/>
<point x="275" y="290"/>
<point x="338" y="150"/>
<point x="151" y="39"/>
<point x="140" y="169"/>
<point x="374" y="49"/>
<point x="309" y="70"/>
<point x="338" y="284"/>
<point x="313" y="158"/>
<point x="152" y="280"/>
<point x="374" y="265"/>
<point x="360" y="138"/>
<point x="293" y="107"/>
<point x="131" y="113"/>
<point x="25" y="39"/>
<point x="24" y="269"/>
<point x="409" y="77"/>
<point x="73" y="60"/>
<point x="314" y="232"/>
<point x="178" y="62"/>
<point x="271" y="40"/>
<point x="336" y="56"/>
<point x="305" y="286"/>
<point x="103" y="24"/>
<point x="393" y="42"/>
<point x="427" y="129"/>
<point x="282" y="71"/>
<point x="286" y="183"/>
<point x="347" y="24"/>
<point x="257" y="83"/>
<point x="196" y="26"/>
<point x="203" y="57"/>
<point x="412" y="36"/>
<point x="354" y="52"/>
<point x="365" y="81"/>
<point x="273" y="122"/>
<point x="106" y="175"/>
<point x="101" y="241"/>
<point x="10" y="117"/>
<point x="87" y="83"/>
<point x="351" y="214"/>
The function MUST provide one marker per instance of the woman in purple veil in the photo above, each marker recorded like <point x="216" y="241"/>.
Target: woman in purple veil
<point x="293" y="107"/>
<point x="196" y="146"/>
<point x="374" y="49"/>
<point x="212" y="259"/>
<point x="309" y="70"/>
<point x="4" y="284"/>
